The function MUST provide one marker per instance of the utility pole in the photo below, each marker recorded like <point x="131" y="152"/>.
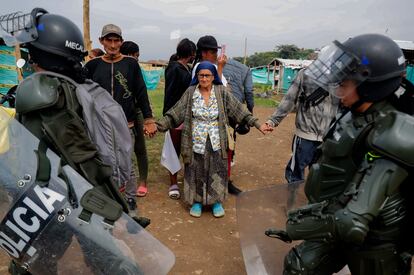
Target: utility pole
<point x="86" y="29"/>
<point x="245" y="51"/>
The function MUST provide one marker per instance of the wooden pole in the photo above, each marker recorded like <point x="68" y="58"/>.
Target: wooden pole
<point x="86" y="28"/>
<point x="245" y="51"/>
<point x="18" y="56"/>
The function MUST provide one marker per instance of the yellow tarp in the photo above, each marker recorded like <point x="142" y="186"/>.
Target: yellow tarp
<point x="6" y="114"/>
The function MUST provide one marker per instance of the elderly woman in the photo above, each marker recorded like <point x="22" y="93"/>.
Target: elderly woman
<point x="204" y="109"/>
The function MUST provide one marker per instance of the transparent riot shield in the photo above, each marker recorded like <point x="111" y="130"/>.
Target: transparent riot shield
<point x="41" y="230"/>
<point x="258" y="211"/>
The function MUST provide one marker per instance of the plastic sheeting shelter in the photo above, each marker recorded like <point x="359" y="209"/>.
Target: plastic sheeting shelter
<point x="8" y="71"/>
<point x="410" y="73"/>
<point x="285" y="72"/>
<point x="152" y="78"/>
<point x="262" y="75"/>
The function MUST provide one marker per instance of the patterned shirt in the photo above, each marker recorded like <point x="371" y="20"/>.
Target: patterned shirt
<point x="205" y="122"/>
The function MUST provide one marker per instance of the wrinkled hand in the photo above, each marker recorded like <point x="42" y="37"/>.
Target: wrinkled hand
<point x="150" y="128"/>
<point x="265" y="128"/>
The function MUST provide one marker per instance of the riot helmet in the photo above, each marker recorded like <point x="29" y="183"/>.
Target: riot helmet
<point x="55" y="43"/>
<point x="373" y="61"/>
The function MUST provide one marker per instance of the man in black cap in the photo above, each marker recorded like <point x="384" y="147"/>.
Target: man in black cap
<point x="207" y="49"/>
<point x="121" y="76"/>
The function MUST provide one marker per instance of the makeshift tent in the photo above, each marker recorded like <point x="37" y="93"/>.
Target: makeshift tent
<point x="285" y="71"/>
<point x="8" y="70"/>
<point x="408" y="50"/>
<point x="152" y="78"/>
<point x="152" y="71"/>
<point x="410" y="73"/>
<point x="261" y="75"/>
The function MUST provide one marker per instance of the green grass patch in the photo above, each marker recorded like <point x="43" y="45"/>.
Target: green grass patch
<point x="154" y="145"/>
<point x="266" y="102"/>
<point x="261" y="88"/>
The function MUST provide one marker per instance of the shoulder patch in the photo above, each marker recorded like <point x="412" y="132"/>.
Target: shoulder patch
<point x="36" y="92"/>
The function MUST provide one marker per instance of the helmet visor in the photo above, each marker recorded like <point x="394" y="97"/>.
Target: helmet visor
<point x="333" y="65"/>
<point x="17" y="28"/>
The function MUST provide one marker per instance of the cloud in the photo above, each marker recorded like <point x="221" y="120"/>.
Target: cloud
<point x="202" y="28"/>
<point x="145" y="29"/>
<point x="197" y="9"/>
<point x="176" y="1"/>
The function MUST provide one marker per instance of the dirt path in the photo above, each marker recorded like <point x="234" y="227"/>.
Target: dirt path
<point x="208" y="245"/>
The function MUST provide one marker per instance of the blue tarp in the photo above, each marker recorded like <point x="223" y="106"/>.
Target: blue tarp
<point x="8" y="73"/>
<point x="152" y="78"/>
<point x="289" y="75"/>
<point x="261" y="76"/>
<point x="410" y="73"/>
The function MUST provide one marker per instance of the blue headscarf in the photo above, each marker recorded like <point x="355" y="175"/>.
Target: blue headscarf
<point x="206" y="65"/>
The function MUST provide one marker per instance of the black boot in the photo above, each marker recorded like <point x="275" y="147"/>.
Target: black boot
<point x="233" y="189"/>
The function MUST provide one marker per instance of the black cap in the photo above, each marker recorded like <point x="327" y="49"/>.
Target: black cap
<point x="207" y="42"/>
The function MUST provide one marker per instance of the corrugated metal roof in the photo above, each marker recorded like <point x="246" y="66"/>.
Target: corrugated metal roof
<point x="293" y="63"/>
<point x="405" y="45"/>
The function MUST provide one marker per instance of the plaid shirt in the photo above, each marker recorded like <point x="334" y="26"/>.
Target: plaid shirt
<point x="312" y="122"/>
<point x="229" y="107"/>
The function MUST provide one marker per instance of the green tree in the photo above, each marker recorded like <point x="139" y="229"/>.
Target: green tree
<point x="288" y="51"/>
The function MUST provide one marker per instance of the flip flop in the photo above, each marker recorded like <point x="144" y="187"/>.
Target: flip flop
<point x="174" y="192"/>
<point x="142" y="191"/>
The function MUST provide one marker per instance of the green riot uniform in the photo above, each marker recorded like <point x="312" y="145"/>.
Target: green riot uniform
<point x="359" y="191"/>
<point x="357" y="209"/>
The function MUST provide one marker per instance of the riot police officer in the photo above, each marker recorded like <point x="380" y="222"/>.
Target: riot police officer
<point x="357" y="191"/>
<point x="55" y="45"/>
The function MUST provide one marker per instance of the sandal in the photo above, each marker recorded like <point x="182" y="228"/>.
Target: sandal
<point x="142" y="191"/>
<point x="174" y="192"/>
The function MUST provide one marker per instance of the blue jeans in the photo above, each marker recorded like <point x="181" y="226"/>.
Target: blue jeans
<point x="304" y="154"/>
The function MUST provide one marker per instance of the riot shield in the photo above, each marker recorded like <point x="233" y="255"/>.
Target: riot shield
<point x="42" y="231"/>
<point x="258" y="211"/>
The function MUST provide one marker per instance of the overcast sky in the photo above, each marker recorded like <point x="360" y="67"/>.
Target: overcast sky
<point x="265" y="23"/>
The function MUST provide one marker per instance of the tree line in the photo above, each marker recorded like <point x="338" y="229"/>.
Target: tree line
<point x="285" y="51"/>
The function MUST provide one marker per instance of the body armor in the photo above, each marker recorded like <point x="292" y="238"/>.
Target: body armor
<point x="357" y="212"/>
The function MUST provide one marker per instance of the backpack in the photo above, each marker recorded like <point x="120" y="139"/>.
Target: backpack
<point x="88" y="129"/>
<point x="107" y="126"/>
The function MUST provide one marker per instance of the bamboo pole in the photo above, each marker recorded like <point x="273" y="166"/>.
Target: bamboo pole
<point x="86" y="27"/>
<point x="18" y="56"/>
